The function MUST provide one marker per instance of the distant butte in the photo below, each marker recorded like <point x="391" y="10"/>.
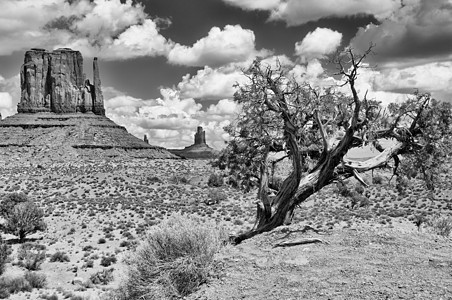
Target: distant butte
<point x="199" y="150"/>
<point x="61" y="115"/>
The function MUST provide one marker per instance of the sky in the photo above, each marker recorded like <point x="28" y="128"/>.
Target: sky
<point x="168" y="66"/>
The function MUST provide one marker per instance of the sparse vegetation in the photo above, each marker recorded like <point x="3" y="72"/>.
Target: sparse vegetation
<point x="31" y="256"/>
<point x="175" y="258"/>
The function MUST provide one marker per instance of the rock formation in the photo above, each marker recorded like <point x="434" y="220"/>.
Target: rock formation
<point x="200" y="136"/>
<point x="62" y="115"/>
<point x="55" y="82"/>
<point x="145" y="139"/>
<point x="199" y="150"/>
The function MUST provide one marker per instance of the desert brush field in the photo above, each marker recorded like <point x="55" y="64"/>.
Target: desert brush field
<point x="373" y="243"/>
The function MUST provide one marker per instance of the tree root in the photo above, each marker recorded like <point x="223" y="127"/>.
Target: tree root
<point x="300" y="242"/>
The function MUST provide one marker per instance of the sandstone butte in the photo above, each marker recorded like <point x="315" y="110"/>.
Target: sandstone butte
<point x="199" y="150"/>
<point x="61" y="114"/>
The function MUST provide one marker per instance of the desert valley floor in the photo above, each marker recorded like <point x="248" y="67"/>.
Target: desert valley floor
<point x="97" y="212"/>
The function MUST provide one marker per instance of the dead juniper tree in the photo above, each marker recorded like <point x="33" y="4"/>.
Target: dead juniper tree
<point x="323" y="125"/>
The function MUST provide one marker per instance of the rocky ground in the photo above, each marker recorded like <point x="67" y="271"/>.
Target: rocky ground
<point x="97" y="211"/>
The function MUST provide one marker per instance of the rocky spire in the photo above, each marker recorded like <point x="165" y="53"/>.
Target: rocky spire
<point x="98" y="101"/>
<point x="145" y="139"/>
<point x="200" y="136"/>
<point x="55" y="82"/>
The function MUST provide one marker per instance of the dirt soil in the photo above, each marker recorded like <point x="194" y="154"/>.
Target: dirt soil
<point x="365" y="262"/>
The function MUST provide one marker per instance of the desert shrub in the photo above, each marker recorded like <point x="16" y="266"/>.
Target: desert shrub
<point x="36" y="280"/>
<point x="343" y="190"/>
<point x="13" y="285"/>
<point x="10" y="201"/>
<point x="401" y="185"/>
<point x="440" y="225"/>
<point x="59" y="256"/>
<point x="215" y="180"/>
<point x="24" y="218"/>
<point x="106" y="261"/>
<point x="174" y="259"/>
<point x="101" y="241"/>
<point x="377" y="179"/>
<point x="215" y="196"/>
<point x="359" y="189"/>
<point x="5" y="251"/>
<point x="103" y="277"/>
<point x="31" y="256"/>
<point x="178" y="179"/>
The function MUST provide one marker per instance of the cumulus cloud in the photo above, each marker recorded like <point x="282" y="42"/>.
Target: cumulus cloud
<point x="170" y="121"/>
<point x="9" y="95"/>
<point x="431" y="77"/>
<point x="211" y="83"/>
<point x="219" y="47"/>
<point x="318" y="43"/>
<point x="296" y="12"/>
<point x="418" y="33"/>
<point x="109" y="29"/>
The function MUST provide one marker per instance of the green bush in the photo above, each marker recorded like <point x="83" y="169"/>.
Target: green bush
<point x="215" y="180"/>
<point x="174" y="259"/>
<point x="24" y="218"/>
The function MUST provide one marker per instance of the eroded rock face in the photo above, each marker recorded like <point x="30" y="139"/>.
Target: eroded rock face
<point x="55" y="82"/>
<point x="200" y="136"/>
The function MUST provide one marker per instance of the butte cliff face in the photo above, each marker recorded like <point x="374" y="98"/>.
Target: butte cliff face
<point x="55" y="82"/>
<point x="61" y="115"/>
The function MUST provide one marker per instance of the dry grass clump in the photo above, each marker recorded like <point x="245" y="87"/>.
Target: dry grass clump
<point x="440" y="225"/>
<point x="175" y="258"/>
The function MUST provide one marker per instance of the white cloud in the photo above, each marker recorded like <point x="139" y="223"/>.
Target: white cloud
<point x="432" y="77"/>
<point x="318" y="43"/>
<point x="105" y="28"/>
<point x="9" y="95"/>
<point x="170" y="121"/>
<point x="219" y="47"/>
<point x="211" y="84"/>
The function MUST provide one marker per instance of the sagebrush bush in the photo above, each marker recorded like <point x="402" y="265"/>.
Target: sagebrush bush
<point x="215" y="180"/>
<point x="103" y="277"/>
<point x="377" y="179"/>
<point x="174" y="259"/>
<point x="36" y="280"/>
<point x="343" y="190"/>
<point x="13" y="285"/>
<point x="5" y="250"/>
<point x="59" y="256"/>
<point x="215" y="196"/>
<point x="31" y="256"/>
<point x="440" y="225"/>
